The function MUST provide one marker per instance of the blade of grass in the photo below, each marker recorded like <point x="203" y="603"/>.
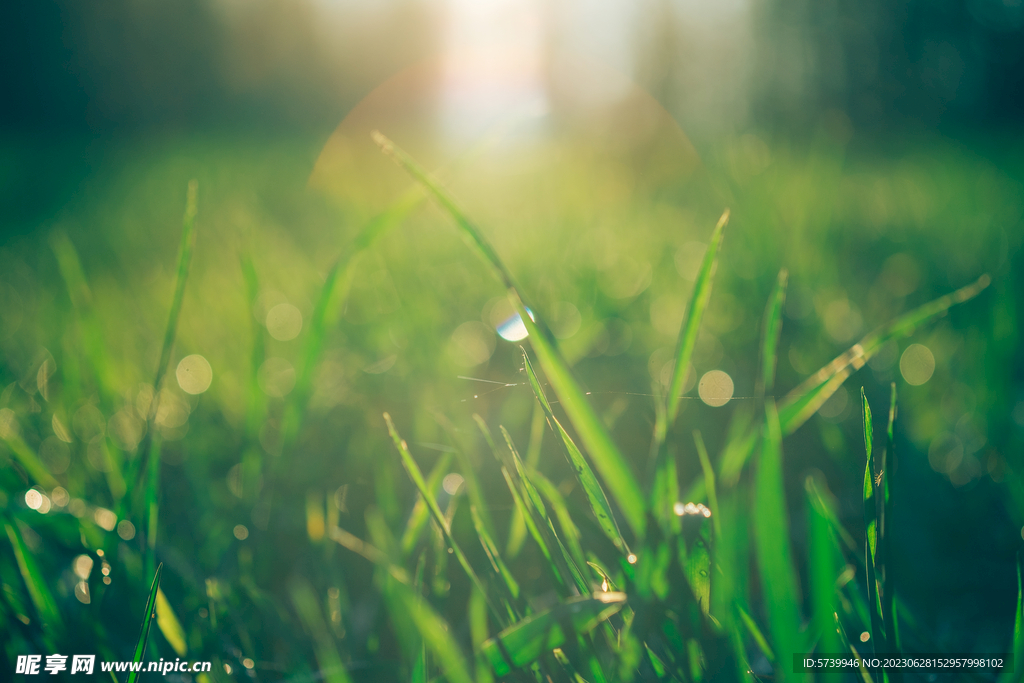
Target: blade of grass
<point x="81" y="300"/>
<point x="169" y="625"/>
<point x="823" y="566"/>
<point x="478" y="634"/>
<point x="428" y="496"/>
<point x="38" y="591"/>
<point x="888" y="579"/>
<point x="770" y="330"/>
<point x="871" y="528"/>
<point x="588" y="480"/>
<point x="771" y="535"/>
<point x="1017" y="674"/>
<point x="709" y="482"/>
<point x="332" y="670"/>
<point x="150" y="463"/>
<point x="517" y="527"/>
<point x="139" y="654"/>
<point x="606" y="455"/>
<point x="435" y="633"/>
<point x="521" y="644"/>
<point x="28" y="459"/>
<point x="805" y="400"/>
<point x="570" y="532"/>
<point x="420" y="513"/>
<point x="690" y="326"/>
<point x="497" y="564"/>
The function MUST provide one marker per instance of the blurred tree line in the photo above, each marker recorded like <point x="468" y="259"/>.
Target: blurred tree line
<point x="889" y="65"/>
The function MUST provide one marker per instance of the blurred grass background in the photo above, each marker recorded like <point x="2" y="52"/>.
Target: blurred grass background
<point x="872" y="150"/>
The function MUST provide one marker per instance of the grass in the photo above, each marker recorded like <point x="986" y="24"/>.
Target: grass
<point x="664" y="540"/>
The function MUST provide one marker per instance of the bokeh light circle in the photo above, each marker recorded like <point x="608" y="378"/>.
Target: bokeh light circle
<point x="194" y="374"/>
<point x="917" y="364"/>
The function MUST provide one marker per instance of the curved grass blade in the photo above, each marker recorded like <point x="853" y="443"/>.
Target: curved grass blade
<point x="491" y="550"/>
<point x="771" y="535"/>
<point x="417" y="478"/>
<point x="823" y="566"/>
<point x="523" y="643"/>
<point x="588" y="480"/>
<point x="871" y="529"/>
<point x="1018" y="630"/>
<point x="28" y="459"/>
<point x="570" y="532"/>
<point x="420" y="513"/>
<point x="434" y="631"/>
<point x="888" y="579"/>
<point x="690" y="326"/>
<point x="709" y="482"/>
<point x="39" y="592"/>
<point x="607" y="458"/>
<point x="805" y="400"/>
<point x="478" y="634"/>
<point x="147" y="621"/>
<point x="332" y="670"/>
<point x="770" y="331"/>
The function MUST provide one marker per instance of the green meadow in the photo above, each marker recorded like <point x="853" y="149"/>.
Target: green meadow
<point x="597" y="406"/>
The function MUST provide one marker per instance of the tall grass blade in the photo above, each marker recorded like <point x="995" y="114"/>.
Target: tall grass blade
<point x="523" y="643"/>
<point x="824" y="566"/>
<point x="491" y="550"/>
<point x="878" y="637"/>
<point x="770" y="330"/>
<point x="81" y="300"/>
<point x="420" y="512"/>
<point x="332" y="670"/>
<point x="570" y="571"/>
<point x="570" y="532"/>
<point x="428" y="496"/>
<point x="588" y="480"/>
<point x="139" y="654"/>
<point x="805" y="400"/>
<point x="435" y="633"/>
<point x="608" y="460"/>
<point x="150" y="463"/>
<point x="478" y="634"/>
<point x="690" y="326"/>
<point x="1018" y="629"/>
<point x="709" y="482"/>
<point x="771" y="535"/>
<point x="38" y="591"/>
<point x="25" y="456"/>
<point x="888" y="579"/>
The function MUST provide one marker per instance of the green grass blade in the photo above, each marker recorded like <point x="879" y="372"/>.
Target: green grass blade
<point x="428" y="496"/>
<point x="824" y="566"/>
<point x="523" y="643"/>
<point x="435" y="633"/>
<point x="756" y="634"/>
<point x="805" y="400"/>
<point x="71" y="271"/>
<point x="139" y="654"/>
<point x="771" y="535"/>
<point x="38" y="591"/>
<point x="571" y="573"/>
<point x="608" y="460"/>
<point x="770" y="330"/>
<point x="28" y="459"/>
<point x="690" y="326"/>
<point x="478" y="634"/>
<point x="871" y="530"/>
<point x="570" y="532"/>
<point x="332" y="670"/>
<point x="588" y="480"/>
<point x="491" y="550"/>
<point x="888" y="579"/>
<point x="420" y="513"/>
<point x="150" y="464"/>
<point x="709" y="482"/>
